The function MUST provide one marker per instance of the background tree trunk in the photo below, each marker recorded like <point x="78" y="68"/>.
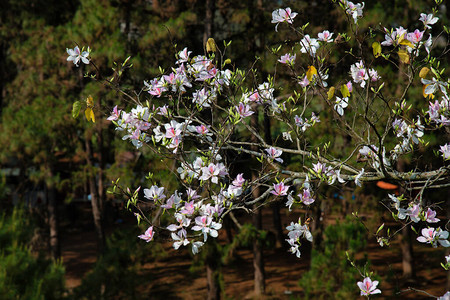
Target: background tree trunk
<point x="95" y="199"/>
<point x="52" y="208"/>
<point x="210" y="8"/>
<point x="258" y="259"/>
<point x="213" y="262"/>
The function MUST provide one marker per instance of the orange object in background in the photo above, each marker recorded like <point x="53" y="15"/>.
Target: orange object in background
<point x="388" y="186"/>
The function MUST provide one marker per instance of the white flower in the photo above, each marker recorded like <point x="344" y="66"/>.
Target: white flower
<point x="76" y="56"/>
<point x="309" y="45"/>
<point x="428" y="20"/>
<point x="283" y="15"/>
<point x="341" y="103"/>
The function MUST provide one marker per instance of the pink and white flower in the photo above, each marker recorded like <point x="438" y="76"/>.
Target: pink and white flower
<point x="148" y="235"/>
<point x="306" y="198"/>
<point x="275" y="154"/>
<point x="428" y="20"/>
<point x="279" y="189"/>
<point x="75" y="55"/>
<point x="283" y="15"/>
<point x="287" y="59"/>
<point x="368" y="287"/>
<point x="325" y="36"/>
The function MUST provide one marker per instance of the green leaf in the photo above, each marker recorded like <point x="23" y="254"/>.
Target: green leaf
<point x="376" y="47"/>
<point x="76" y="109"/>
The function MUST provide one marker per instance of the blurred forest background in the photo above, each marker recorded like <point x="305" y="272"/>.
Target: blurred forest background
<point x="63" y="236"/>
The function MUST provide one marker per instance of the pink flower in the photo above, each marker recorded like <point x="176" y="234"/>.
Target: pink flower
<point x="306" y="198"/>
<point x="428" y="19"/>
<point x="415" y="37"/>
<point x="287" y="59"/>
<point x="115" y="115"/>
<point x="304" y="83"/>
<point x="368" y="287"/>
<point x="432" y="235"/>
<point x="274" y="154"/>
<point x="430" y="216"/>
<point x="283" y="15"/>
<point x="325" y="36"/>
<point x="239" y="181"/>
<point x="148" y="235"/>
<point x="445" y="150"/>
<point x="244" y="110"/>
<point x="279" y="189"/>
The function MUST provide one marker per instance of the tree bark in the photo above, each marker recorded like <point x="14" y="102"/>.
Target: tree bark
<point x="95" y="200"/>
<point x="213" y="272"/>
<point x="258" y="259"/>
<point x="407" y="253"/>
<point x="52" y="208"/>
<point x="405" y="242"/>
<point x="208" y="32"/>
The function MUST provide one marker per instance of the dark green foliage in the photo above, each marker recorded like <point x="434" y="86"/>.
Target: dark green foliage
<point x="331" y="276"/>
<point x="117" y="274"/>
<point x="23" y="274"/>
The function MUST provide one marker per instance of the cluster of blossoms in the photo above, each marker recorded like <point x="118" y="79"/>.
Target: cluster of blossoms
<point x="361" y="74"/>
<point x="304" y="124"/>
<point x="296" y="232"/>
<point x="353" y="10"/>
<point x="433" y="236"/>
<point x="134" y="123"/>
<point x="412" y="40"/>
<point x="413" y="211"/>
<point x="204" y="217"/>
<point x="439" y="112"/>
<point x="409" y="133"/>
<point x="202" y="84"/>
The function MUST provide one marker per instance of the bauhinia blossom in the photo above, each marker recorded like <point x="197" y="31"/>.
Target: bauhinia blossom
<point x="445" y="150"/>
<point x="148" y="235"/>
<point x="274" y="154"/>
<point x="325" y="36"/>
<point x="279" y="189"/>
<point x="283" y="15"/>
<point x="368" y="287"/>
<point x="428" y="20"/>
<point x="75" y="55"/>
<point x="287" y="59"/>
<point x="434" y="236"/>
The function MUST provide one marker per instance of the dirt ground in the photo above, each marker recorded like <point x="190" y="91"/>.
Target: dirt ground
<point x="171" y="279"/>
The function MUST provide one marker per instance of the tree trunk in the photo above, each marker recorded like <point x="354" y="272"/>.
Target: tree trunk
<point x="52" y="208"/>
<point x="406" y="243"/>
<point x="213" y="271"/>
<point x="407" y="253"/>
<point x="95" y="200"/>
<point x="258" y="259"/>
<point x="208" y="32"/>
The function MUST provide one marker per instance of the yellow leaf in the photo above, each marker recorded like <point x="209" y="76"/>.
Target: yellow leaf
<point x="331" y="93"/>
<point x="211" y="45"/>
<point x="311" y="72"/>
<point x="344" y="91"/>
<point x="430" y="96"/>
<point x="406" y="43"/>
<point x="90" y="101"/>
<point x="376" y="49"/>
<point x="423" y="73"/>
<point x="89" y="113"/>
<point x="403" y="56"/>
